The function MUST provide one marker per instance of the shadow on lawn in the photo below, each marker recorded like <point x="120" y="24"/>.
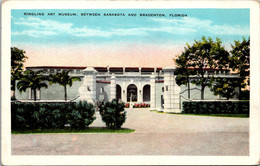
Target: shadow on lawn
<point x="69" y="131"/>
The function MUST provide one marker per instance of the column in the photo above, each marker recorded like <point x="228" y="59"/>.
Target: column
<point x="124" y="96"/>
<point x="171" y="91"/>
<point x="140" y="93"/>
<point x="30" y="93"/>
<point x="153" y="94"/>
<point x="108" y="71"/>
<point x="113" y="87"/>
<point x="38" y="94"/>
<point x="176" y="97"/>
<point x="87" y="91"/>
<point x="167" y="94"/>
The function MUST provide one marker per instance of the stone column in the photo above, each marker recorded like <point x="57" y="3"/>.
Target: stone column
<point x="113" y="87"/>
<point x="38" y="94"/>
<point x="30" y="93"/>
<point x="140" y="93"/>
<point x="124" y="97"/>
<point x="153" y="94"/>
<point x="87" y="91"/>
<point x="171" y="91"/>
<point x="176" y="97"/>
<point x="108" y="71"/>
<point x="167" y="94"/>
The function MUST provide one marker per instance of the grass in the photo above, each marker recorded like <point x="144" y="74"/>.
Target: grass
<point x="215" y="115"/>
<point x="67" y="130"/>
<point x="222" y="115"/>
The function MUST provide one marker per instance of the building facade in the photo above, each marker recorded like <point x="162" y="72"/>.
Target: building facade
<point x="151" y="85"/>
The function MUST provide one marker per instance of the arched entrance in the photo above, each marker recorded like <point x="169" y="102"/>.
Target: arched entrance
<point x="118" y="92"/>
<point x="146" y="93"/>
<point x="132" y="93"/>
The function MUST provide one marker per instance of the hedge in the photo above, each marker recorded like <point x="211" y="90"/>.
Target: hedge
<point x="51" y="115"/>
<point x="215" y="107"/>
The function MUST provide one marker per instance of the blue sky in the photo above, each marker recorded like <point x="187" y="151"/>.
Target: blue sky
<point x="43" y="31"/>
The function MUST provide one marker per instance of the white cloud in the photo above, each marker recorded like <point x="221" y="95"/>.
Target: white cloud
<point x="192" y="25"/>
<point x="49" y="27"/>
<point x="186" y="25"/>
<point x="44" y="24"/>
<point x="35" y="33"/>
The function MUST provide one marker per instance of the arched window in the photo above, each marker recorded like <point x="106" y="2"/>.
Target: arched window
<point x="131" y="93"/>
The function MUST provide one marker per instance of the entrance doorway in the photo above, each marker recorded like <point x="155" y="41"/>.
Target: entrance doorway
<point x="146" y="93"/>
<point x="132" y="93"/>
<point x="118" y="92"/>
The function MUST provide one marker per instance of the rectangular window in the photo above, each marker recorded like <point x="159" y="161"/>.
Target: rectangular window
<point x="77" y="71"/>
<point x="166" y="87"/>
<point x="72" y="71"/>
<point x="51" y="71"/>
<point x="45" y="71"/>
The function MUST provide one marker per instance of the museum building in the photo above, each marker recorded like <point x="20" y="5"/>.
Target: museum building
<point x="151" y="85"/>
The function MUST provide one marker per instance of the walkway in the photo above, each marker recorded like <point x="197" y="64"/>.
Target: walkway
<point x="156" y="134"/>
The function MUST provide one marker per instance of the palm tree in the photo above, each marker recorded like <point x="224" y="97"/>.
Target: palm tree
<point x="33" y="80"/>
<point x="63" y="79"/>
<point x="15" y="75"/>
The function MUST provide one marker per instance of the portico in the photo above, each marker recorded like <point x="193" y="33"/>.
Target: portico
<point x="131" y="85"/>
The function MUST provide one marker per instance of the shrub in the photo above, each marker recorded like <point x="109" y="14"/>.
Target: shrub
<point x="216" y="107"/>
<point x="113" y="114"/>
<point x="82" y="115"/>
<point x="51" y="115"/>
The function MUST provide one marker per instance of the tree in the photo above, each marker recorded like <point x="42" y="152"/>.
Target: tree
<point x="33" y="80"/>
<point x="63" y="79"/>
<point x="17" y="59"/>
<point x="225" y="87"/>
<point x="183" y="73"/>
<point x="204" y="56"/>
<point x="240" y="62"/>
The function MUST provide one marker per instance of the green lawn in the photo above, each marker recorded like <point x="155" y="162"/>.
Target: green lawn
<point x="67" y="130"/>
<point x="216" y="115"/>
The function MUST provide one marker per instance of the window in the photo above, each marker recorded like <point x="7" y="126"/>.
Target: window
<point x="45" y="71"/>
<point x="72" y="71"/>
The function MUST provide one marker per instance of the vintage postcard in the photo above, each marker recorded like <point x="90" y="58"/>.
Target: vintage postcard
<point x="130" y="82"/>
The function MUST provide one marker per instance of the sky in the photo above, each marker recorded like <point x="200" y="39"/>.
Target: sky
<point x="132" y="38"/>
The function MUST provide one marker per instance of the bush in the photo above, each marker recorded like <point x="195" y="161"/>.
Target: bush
<point x="113" y="114"/>
<point x="82" y="115"/>
<point x="244" y="95"/>
<point x="216" y="107"/>
<point x="51" y="115"/>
